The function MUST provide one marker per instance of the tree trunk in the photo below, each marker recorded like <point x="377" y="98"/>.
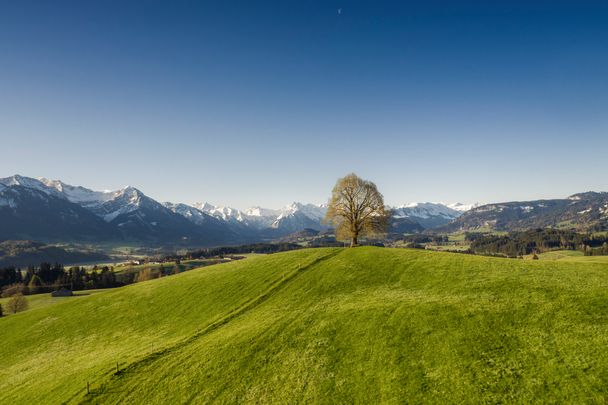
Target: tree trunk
<point x="355" y="241"/>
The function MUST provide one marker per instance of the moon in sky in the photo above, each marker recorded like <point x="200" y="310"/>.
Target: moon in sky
<point x="339" y="11"/>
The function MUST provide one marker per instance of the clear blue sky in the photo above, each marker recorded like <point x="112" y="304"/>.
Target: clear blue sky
<point x="240" y="103"/>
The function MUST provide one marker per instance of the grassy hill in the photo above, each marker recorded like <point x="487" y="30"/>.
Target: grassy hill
<point x="323" y="326"/>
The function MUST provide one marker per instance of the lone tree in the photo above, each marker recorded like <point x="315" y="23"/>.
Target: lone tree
<point x="356" y="208"/>
<point x="17" y="303"/>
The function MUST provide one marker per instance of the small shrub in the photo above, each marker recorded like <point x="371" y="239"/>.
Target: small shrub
<point x="13" y="289"/>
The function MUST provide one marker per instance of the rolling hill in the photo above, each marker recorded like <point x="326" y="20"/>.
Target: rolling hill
<point x="363" y="325"/>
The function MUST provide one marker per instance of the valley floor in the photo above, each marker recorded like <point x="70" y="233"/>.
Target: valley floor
<point x="363" y="325"/>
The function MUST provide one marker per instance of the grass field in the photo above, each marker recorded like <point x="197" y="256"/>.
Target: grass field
<point x="571" y="256"/>
<point x="44" y="300"/>
<point x="363" y="325"/>
<point x="449" y="247"/>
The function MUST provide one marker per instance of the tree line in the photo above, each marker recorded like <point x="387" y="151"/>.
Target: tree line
<point x="534" y="241"/>
<point x="48" y="277"/>
<point x="221" y="252"/>
<point x="420" y="240"/>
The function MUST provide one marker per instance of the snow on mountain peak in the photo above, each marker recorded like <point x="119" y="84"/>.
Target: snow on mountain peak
<point x="23" y="181"/>
<point x="203" y="206"/>
<point x="124" y="201"/>
<point x="261" y="212"/>
<point x="316" y="212"/>
<point x="439" y="208"/>
<point x="462" y="207"/>
<point x="189" y="212"/>
<point x="111" y="204"/>
<point x="221" y="212"/>
<point x="107" y="204"/>
<point x="77" y="194"/>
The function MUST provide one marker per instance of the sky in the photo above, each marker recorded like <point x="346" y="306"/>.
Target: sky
<point x="247" y="103"/>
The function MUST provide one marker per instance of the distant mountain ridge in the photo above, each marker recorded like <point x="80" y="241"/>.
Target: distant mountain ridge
<point x="428" y="215"/>
<point x="28" y="253"/>
<point x="582" y="212"/>
<point x="51" y="211"/>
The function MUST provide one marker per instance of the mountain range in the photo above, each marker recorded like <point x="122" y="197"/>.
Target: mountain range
<point x="53" y="211"/>
<point x="581" y="212"/>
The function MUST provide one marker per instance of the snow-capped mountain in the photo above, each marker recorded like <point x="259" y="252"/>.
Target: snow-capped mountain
<point x="261" y="218"/>
<point x="261" y="212"/>
<point x="190" y="213"/>
<point x="291" y="218"/>
<point x="127" y="198"/>
<point x="124" y="202"/>
<point x="312" y="211"/>
<point x="430" y="215"/>
<point x="76" y="194"/>
<point x="128" y="214"/>
<point x="221" y="212"/>
<point x="202" y="218"/>
<point x="298" y="216"/>
<point x="425" y="210"/>
<point x="29" y="211"/>
<point x="23" y="181"/>
<point x="461" y="207"/>
<point x="107" y="204"/>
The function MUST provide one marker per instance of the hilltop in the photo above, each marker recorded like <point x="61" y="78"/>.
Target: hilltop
<point x="362" y="325"/>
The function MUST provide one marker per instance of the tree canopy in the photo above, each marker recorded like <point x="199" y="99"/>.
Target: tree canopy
<point x="356" y="209"/>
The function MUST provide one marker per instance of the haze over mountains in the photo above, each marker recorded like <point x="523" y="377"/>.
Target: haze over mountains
<point x="51" y="211"/>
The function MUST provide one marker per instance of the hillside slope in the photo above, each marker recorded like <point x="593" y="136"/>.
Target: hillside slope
<point x="323" y="325"/>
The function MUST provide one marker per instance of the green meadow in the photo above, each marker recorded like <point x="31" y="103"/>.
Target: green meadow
<point x="571" y="256"/>
<point x="364" y="325"/>
<point x="43" y="300"/>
